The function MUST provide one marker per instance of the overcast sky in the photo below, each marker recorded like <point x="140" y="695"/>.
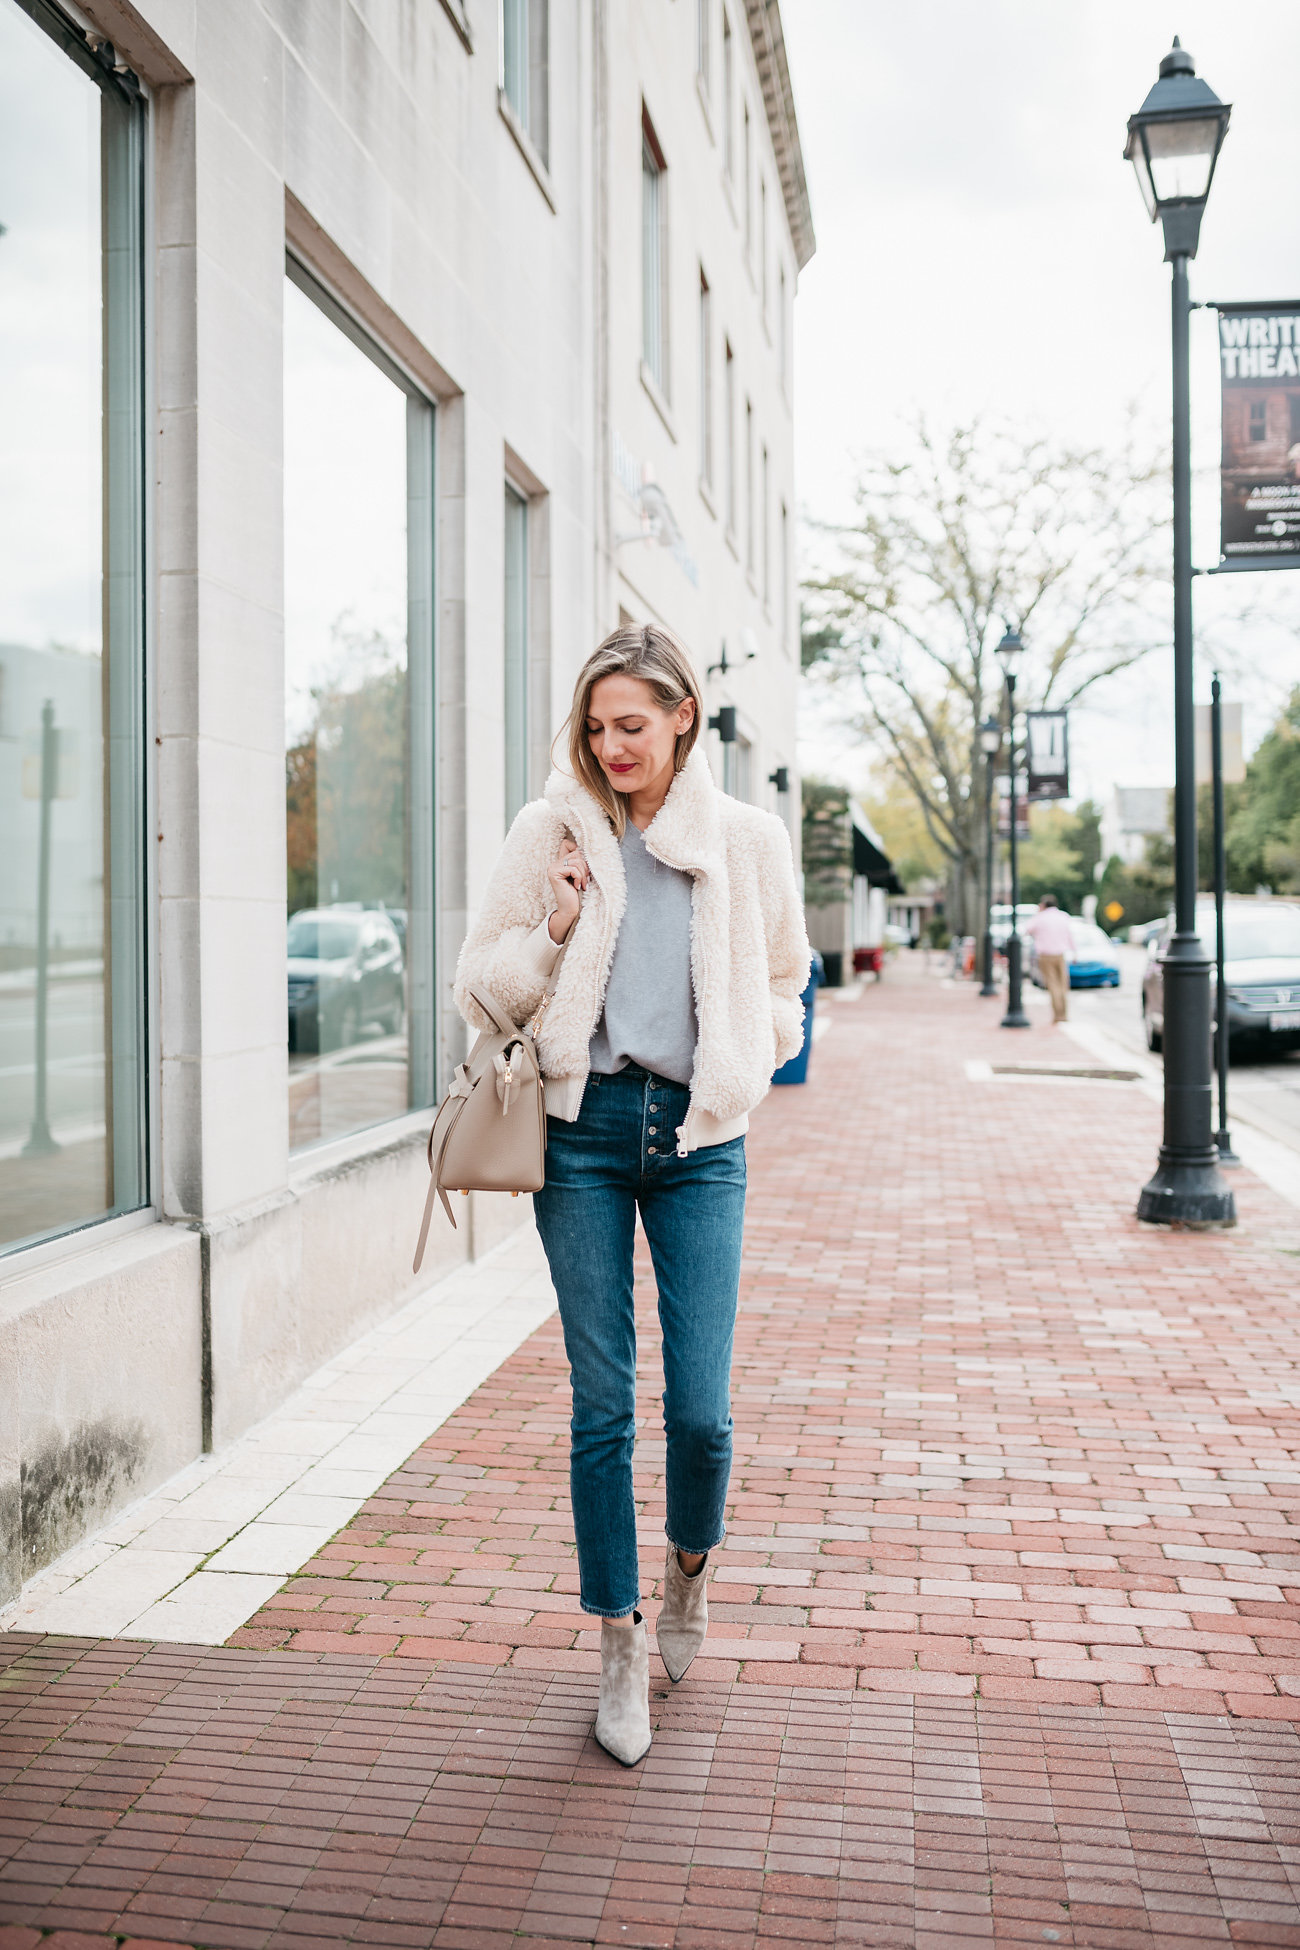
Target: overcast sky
<point x="981" y="245"/>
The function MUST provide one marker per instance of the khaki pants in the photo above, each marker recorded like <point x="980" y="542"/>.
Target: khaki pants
<point x="1056" y="974"/>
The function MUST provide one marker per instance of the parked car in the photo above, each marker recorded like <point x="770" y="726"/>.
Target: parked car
<point x="345" y="973"/>
<point x="1093" y="964"/>
<point x="1261" y="940"/>
<point x="1000" y="920"/>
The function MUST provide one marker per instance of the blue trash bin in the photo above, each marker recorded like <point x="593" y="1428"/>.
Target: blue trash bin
<point x="796" y="1070"/>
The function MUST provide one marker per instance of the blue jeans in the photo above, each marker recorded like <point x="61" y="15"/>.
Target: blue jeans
<point x="621" y="1155"/>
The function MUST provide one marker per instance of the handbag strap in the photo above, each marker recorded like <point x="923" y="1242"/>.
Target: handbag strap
<point x="491" y="1008"/>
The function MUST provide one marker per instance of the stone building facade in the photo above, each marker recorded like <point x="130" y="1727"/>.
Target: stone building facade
<point x="374" y="357"/>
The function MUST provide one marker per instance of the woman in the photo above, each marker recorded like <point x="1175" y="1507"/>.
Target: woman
<point x="675" y="909"/>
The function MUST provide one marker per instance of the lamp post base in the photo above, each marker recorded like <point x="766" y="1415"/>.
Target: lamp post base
<point x="1187" y="1194"/>
<point x="988" y="986"/>
<point x="1015" y="1018"/>
<point x="1227" y="1156"/>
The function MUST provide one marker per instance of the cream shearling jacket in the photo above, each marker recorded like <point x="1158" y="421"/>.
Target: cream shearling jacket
<point x="749" y="950"/>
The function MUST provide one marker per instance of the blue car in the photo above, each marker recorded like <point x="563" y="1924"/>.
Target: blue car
<point x="1094" y="963"/>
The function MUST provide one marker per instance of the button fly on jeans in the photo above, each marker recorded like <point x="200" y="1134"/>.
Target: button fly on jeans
<point x="654" y="1130"/>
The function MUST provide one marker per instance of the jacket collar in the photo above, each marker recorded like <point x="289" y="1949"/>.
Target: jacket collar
<point x="685" y="833"/>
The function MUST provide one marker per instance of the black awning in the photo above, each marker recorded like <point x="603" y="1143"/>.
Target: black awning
<point x="872" y="864"/>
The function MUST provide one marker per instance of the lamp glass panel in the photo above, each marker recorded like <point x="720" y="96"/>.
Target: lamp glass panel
<point x="1182" y="156"/>
<point x="1138" y="157"/>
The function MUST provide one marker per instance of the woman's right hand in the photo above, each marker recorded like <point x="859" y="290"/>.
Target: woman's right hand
<point x="569" y="877"/>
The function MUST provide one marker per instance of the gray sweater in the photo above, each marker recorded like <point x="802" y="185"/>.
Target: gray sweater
<point x="649" y="1015"/>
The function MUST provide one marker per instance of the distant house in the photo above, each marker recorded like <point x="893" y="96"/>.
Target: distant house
<point x="1133" y="815"/>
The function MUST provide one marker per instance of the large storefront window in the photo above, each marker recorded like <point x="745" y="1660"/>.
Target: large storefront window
<point x="72" y="1125"/>
<point x="358" y="478"/>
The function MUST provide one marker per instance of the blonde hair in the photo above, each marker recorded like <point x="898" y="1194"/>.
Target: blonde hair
<point x="647" y="652"/>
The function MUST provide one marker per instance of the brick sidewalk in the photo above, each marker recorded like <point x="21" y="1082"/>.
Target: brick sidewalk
<point x="1005" y="1634"/>
<point x="991" y="1434"/>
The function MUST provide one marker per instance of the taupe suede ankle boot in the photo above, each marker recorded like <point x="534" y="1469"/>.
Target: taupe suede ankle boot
<point x="683" y="1616"/>
<point x="623" y="1716"/>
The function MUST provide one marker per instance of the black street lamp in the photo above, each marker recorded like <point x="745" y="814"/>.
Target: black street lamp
<point x="1173" y="144"/>
<point x="1008" y="654"/>
<point x="990" y="737"/>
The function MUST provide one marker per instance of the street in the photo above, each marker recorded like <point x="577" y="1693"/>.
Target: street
<point x="1004" y="1629"/>
<point x="1262" y="1092"/>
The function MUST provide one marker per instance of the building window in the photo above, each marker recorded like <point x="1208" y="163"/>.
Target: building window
<point x="782" y="328"/>
<point x="747" y="188"/>
<point x="730" y="457"/>
<point x="762" y="244"/>
<point x="749" y="487"/>
<point x="706" y="383"/>
<point x="1259" y="419"/>
<point x="72" y="767"/>
<point x="516" y="651"/>
<point x="358" y="601"/>
<point x="525" y="68"/>
<point x="738" y="768"/>
<point x="654" y="256"/>
<point x="703" y="38"/>
<point x="728" y="97"/>
<point x="783" y="623"/>
<point x="766" y="533"/>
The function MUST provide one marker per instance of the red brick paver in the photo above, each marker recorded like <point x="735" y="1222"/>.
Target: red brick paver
<point x="275" y="1801"/>
<point x="991" y="1434"/>
<point x="1005" y="1628"/>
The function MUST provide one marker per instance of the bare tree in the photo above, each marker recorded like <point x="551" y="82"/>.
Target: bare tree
<point x="954" y="540"/>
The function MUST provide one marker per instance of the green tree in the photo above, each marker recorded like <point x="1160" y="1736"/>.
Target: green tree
<point x="897" y="817"/>
<point x="1262" y="822"/>
<point x="827" y="843"/>
<point x="1145" y="890"/>
<point x="954" y="536"/>
<point x="1061" y="854"/>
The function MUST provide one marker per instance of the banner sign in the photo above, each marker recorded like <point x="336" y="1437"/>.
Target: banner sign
<point x="1003" y="785"/>
<point x="1047" y="742"/>
<point x="1259" y="362"/>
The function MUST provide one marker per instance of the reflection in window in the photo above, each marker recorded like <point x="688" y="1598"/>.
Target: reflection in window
<point x="525" y="61"/>
<point x="729" y="379"/>
<point x="728" y="97"/>
<point x="654" y="336"/>
<point x="738" y="768"/>
<point x="706" y="382"/>
<point x="71" y="767"/>
<point x="357" y="474"/>
<point x="516" y="651"/>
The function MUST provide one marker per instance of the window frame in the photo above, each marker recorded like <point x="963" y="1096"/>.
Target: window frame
<point x="750" y="538"/>
<point x="516" y="659"/>
<point x="747" y="187"/>
<point x="729" y="97"/>
<point x="129" y="996"/>
<point x="765" y="526"/>
<point x="731" y="483"/>
<point x="527" y="103"/>
<point x="706" y="381"/>
<point x="654" y="260"/>
<point x="423" y="994"/>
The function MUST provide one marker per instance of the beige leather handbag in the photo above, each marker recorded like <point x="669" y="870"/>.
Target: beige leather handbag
<point x="490" y="1131"/>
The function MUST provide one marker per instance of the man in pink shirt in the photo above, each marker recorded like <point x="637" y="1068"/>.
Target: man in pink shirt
<point x="1051" y="931"/>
